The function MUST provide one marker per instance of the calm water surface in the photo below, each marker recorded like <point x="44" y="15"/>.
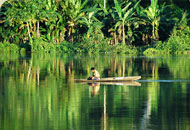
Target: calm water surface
<point x="38" y="92"/>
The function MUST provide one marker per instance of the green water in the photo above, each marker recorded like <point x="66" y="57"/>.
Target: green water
<point x="38" y="92"/>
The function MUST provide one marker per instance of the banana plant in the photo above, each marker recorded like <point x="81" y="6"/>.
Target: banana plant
<point x="73" y="11"/>
<point x="17" y="16"/>
<point x="20" y="16"/>
<point x="56" y="31"/>
<point x="93" y="24"/>
<point x="41" y="13"/>
<point x="153" y="13"/>
<point x="125" y="16"/>
<point x="108" y="18"/>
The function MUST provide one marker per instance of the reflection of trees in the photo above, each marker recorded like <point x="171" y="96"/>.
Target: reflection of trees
<point x="40" y="90"/>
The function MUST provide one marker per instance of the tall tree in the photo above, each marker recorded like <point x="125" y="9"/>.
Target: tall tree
<point x="73" y="11"/>
<point x="125" y="15"/>
<point x="93" y="24"/>
<point x="153" y="13"/>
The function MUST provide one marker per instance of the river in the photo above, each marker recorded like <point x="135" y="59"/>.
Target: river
<point x="38" y="92"/>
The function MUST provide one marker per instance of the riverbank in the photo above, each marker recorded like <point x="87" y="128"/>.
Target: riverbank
<point x="178" y="43"/>
<point x="128" y="27"/>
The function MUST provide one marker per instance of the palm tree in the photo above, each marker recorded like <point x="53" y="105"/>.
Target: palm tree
<point x="125" y="16"/>
<point x="153" y="13"/>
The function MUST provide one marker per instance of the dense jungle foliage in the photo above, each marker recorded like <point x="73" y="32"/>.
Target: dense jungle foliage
<point x="111" y="26"/>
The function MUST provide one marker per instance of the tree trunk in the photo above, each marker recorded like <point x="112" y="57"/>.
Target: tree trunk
<point x="156" y="32"/>
<point x="129" y="36"/>
<point x="123" y="34"/>
<point x="115" y="38"/>
<point x="70" y="35"/>
<point x="153" y="31"/>
<point x="34" y="26"/>
<point x="57" y="36"/>
<point x="119" y="37"/>
<point x="62" y="36"/>
<point x="38" y="29"/>
<point x="104" y="4"/>
<point x="29" y="32"/>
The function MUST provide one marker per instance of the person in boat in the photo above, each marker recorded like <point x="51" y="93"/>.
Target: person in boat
<point x="95" y="76"/>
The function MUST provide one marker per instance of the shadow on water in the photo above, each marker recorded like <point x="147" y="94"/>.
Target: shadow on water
<point x="39" y="92"/>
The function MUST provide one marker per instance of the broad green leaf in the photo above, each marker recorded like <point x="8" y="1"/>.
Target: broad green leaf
<point x="118" y="8"/>
<point x="119" y="23"/>
<point x="126" y="7"/>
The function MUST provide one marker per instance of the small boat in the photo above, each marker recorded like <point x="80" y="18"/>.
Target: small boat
<point x="128" y="83"/>
<point x="111" y="79"/>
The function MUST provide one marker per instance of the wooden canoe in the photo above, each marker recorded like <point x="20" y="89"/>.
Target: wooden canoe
<point x="111" y="79"/>
<point x="128" y="83"/>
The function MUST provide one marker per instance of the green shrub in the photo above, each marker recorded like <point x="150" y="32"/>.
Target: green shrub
<point x="23" y="50"/>
<point x="179" y="41"/>
<point x="123" y="49"/>
<point x="93" y="44"/>
<point x="13" y="48"/>
<point x="39" y="45"/>
<point x="98" y="44"/>
<point x="8" y="48"/>
<point x="151" y="51"/>
<point x="1" y="47"/>
<point x="65" y="47"/>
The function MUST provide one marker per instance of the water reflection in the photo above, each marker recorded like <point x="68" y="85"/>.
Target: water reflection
<point x="95" y="88"/>
<point x="39" y="92"/>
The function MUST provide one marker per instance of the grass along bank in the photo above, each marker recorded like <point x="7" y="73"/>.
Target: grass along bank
<point x="88" y="45"/>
